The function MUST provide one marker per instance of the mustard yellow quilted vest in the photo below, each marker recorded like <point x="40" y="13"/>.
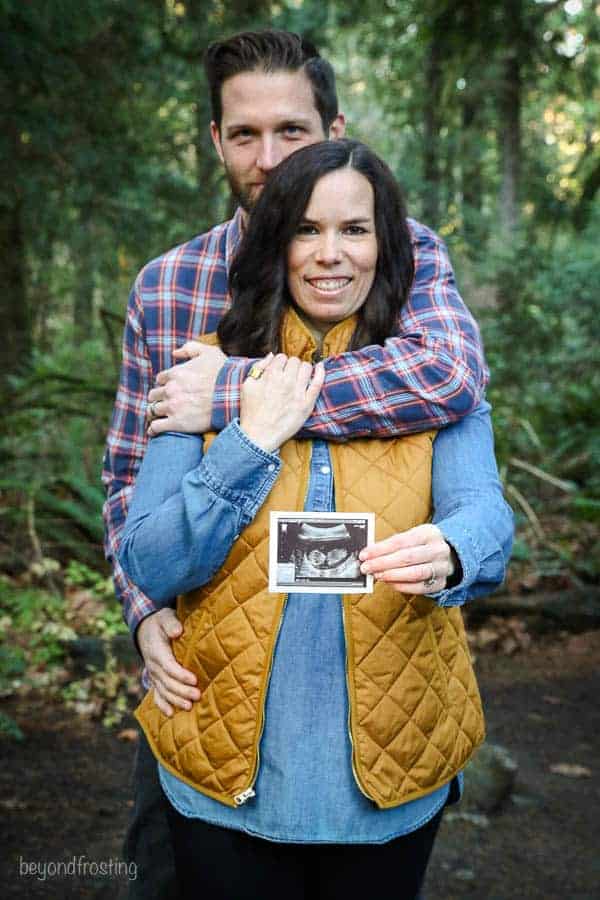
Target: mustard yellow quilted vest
<point x="415" y="710"/>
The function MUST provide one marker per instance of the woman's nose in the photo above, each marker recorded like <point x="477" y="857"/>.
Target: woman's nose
<point x="329" y="250"/>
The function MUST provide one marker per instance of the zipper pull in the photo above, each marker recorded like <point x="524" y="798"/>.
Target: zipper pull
<point x="240" y="799"/>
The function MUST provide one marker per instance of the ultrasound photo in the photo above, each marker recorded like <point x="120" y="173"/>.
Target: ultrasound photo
<point x="318" y="552"/>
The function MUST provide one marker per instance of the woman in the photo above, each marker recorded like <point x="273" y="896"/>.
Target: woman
<point x="324" y="266"/>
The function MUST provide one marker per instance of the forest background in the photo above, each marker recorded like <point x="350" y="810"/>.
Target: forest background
<point x="488" y="113"/>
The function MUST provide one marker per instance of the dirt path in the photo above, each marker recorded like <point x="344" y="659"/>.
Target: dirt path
<point x="544" y="707"/>
<point x="64" y="791"/>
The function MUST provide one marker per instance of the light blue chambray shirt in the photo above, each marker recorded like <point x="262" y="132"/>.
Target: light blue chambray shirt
<point x="305" y="788"/>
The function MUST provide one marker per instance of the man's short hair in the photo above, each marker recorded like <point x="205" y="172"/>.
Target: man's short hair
<point x="270" y="51"/>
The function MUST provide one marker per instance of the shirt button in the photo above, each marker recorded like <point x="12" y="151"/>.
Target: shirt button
<point x="271" y="467"/>
<point x="325" y="470"/>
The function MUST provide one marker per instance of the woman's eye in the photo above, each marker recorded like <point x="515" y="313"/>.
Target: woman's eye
<point x="306" y="229"/>
<point x="355" y="229"/>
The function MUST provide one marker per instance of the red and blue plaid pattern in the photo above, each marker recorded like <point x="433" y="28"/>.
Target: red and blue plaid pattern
<point x="430" y="374"/>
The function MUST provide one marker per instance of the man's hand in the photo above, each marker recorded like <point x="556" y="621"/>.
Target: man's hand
<point x="183" y="396"/>
<point x="417" y="561"/>
<point x="173" y="685"/>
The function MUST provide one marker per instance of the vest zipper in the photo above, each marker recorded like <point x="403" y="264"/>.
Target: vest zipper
<point x="352" y="759"/>
<point x="240" y="799"/>
<point x="249" y="792"/>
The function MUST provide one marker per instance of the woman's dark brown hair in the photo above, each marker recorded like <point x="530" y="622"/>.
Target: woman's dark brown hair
<point x="258" y="277"/>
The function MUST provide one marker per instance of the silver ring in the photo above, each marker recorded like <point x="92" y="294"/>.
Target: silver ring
<point x="432" y="578"/>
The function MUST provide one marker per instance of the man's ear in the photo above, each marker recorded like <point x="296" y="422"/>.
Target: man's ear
<point x="216" y="139"/>
<point x="337" y="129"/>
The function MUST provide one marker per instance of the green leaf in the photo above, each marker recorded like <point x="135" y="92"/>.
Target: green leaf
<point x="9" y="728"/>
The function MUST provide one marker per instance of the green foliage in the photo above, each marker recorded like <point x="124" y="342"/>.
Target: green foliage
<point x="520" y="550"/>
<point x="29" y="608"/>
<point x="12" y="666"/>
<point x="53" y="451"/>
<point x="541" y="343"/>
<point x="37" y="618"/>
<point x="108" y="622"/>
<point x="10" y="729"/>
<point x="79" y="575"/>
<point x="585" y="508"/>
<point x="103" y="694"/>
<point x="36" y="625"/>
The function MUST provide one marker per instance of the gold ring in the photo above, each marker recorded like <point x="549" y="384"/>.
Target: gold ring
<point x="153" y="412"/>
<point x="255" y="371"/>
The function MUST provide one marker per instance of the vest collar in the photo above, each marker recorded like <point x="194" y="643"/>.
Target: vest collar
<point x="297" y="340"/>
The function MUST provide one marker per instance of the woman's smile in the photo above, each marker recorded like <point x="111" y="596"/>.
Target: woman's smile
<point x="329" y="286"/>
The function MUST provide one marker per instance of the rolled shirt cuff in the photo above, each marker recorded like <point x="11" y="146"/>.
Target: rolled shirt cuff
<point x="239" y="471"/>
<point x="467" y="549"/>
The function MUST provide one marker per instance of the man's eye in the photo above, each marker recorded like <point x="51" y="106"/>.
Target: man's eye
<point x="243" y="134"/>
<point x="293" y="130"/>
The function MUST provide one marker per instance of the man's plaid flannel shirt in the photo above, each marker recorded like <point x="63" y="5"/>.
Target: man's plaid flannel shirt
<point x="431" y="374"/>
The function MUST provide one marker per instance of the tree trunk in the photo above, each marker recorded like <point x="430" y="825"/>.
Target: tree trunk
<point x="471" y="177"/>
<point x="591" y="186"/>
<point x="510" y="118"/>
<point x="83" y="302"/>
<point x="15" y="318"/>
<point x="431" y="121"/>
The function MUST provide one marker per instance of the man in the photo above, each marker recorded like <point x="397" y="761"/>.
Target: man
<point x="271" y="94"/>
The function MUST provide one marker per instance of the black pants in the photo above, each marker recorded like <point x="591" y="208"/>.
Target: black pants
<point x="225" y="864"/>
<point x="179" y="858"/>
<point x="148" y="839"/>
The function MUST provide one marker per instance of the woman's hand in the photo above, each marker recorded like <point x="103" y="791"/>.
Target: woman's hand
<point x="417" y="561"/>
<point x="274" y="406"/>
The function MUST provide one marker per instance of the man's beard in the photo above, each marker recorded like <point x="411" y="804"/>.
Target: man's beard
<point x="240" y="194"/>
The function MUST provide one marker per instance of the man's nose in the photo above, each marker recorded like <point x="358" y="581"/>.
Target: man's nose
<point x="269" y="155"/>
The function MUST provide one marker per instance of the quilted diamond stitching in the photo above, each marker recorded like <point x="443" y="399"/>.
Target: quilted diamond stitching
<point x="382" y="629"/>
<point x="441" y="742"/>
<point x="251" y="550"/>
